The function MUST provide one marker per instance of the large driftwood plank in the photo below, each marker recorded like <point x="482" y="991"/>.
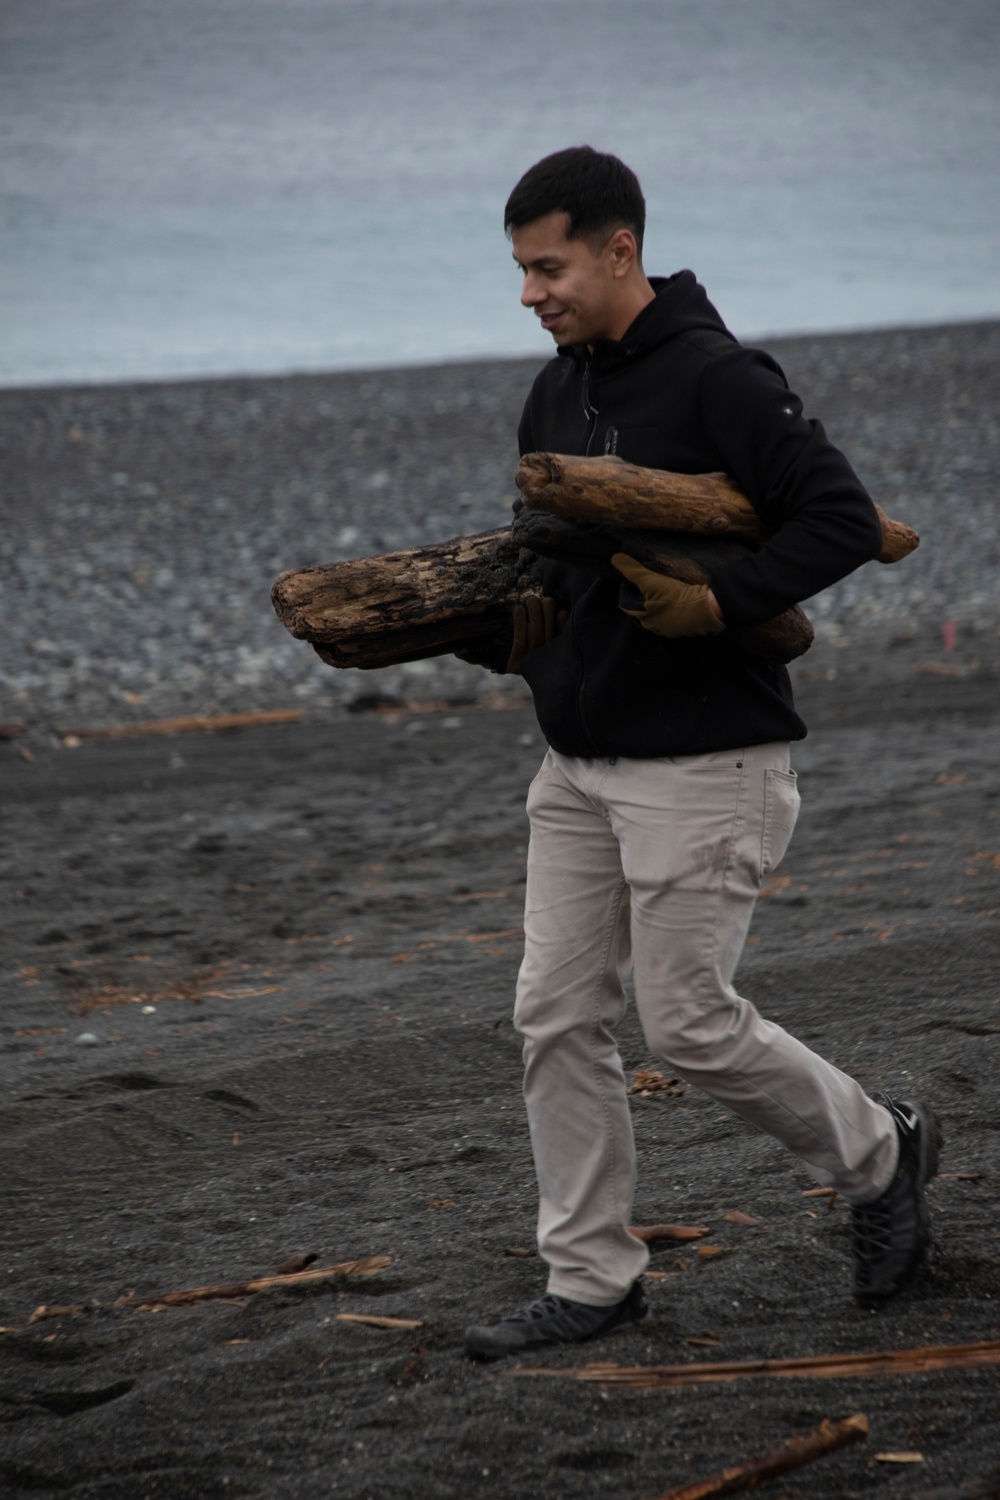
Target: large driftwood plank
<point x="688" y="558"/>
<point x="617" y="493"/>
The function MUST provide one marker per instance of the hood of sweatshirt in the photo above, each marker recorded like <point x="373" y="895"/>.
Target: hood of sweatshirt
<point x="680" y="307"/>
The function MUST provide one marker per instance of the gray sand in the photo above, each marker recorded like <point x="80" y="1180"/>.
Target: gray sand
<point x="296" y="949"/>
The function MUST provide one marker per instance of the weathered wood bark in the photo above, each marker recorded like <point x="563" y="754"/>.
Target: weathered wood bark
<point x="403" y="606"/>
<point x="621" y="494"/>
<point x="828" y="1437"/>
<point x="688" y="558"/>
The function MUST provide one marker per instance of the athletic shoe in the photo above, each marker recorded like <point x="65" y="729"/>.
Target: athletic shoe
<point x="554" y="1320"/>
<point x="893" y="1235"/>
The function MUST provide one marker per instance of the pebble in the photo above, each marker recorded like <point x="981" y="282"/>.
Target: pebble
<point x="87" y="1039"/>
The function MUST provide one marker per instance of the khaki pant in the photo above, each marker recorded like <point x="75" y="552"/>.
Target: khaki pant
<point x="660" y="861"/>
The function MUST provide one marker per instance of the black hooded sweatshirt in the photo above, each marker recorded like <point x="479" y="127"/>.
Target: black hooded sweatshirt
<point x="679" y="392"/>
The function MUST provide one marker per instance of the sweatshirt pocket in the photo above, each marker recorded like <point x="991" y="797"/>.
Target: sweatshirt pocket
<point x="781" y="809"/>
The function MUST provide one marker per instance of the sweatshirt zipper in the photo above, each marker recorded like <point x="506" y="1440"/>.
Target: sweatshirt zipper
<point x="590" y="413"/>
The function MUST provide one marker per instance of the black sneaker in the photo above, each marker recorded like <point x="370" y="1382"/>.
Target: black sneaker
<point x="554" y="1320"/>
<point x="893" y="1235"/>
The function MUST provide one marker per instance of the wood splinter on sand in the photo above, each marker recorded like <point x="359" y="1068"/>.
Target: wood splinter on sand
<point x="828" y="1437"/>
<point x="918" y="1361"/>
<point x="226" y="1291"/>
<point x="429" y="601"/>
<point x="378" y="1320"/>
<point x="650" y="1233"/>
<point x="188" y="724"/>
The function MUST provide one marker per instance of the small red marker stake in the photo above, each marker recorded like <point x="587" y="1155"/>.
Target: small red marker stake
<point x="949" y="635"/>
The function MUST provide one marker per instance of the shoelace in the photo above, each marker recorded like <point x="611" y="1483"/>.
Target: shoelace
<point x="547" y="1306"/>
<point x="872" y="1232"/>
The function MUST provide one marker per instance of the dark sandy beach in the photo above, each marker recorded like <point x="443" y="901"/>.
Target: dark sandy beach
<point x="295" y="948"/>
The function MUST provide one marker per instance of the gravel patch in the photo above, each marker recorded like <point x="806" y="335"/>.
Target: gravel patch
<point x="143" y="525"/>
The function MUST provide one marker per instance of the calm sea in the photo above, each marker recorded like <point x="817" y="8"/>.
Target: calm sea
<point x="217" y="186"/>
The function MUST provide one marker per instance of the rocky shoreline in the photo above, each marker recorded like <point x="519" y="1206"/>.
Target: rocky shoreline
<point x="142" y="525"/>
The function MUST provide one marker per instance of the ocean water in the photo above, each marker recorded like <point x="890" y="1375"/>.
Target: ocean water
<point x="221" y="186"/>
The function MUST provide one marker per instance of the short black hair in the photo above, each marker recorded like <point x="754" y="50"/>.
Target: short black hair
<point x="599" y="192"/>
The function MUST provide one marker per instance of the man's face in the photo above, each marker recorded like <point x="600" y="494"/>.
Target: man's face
<point x="573" y="291"/>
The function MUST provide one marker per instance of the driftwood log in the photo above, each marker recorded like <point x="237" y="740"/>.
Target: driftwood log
<point x="428" y="601"/>
<point x="615" y="493"/>
<point x="403" y="606"/>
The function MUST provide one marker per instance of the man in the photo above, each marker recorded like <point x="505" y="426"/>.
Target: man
<point x="666" y="796"/>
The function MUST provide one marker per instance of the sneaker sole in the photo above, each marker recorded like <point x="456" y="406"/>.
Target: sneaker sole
<point x="931" y="1141"/>
<point x="477" y="1348"/>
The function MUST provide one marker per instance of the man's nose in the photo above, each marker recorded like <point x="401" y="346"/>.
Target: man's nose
<point x="532" y="292"/>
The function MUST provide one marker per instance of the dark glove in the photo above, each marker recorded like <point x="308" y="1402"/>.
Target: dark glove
<point x="536" y="622"/>
<point x="533" y="623"/>
<point x="663" y="605"/>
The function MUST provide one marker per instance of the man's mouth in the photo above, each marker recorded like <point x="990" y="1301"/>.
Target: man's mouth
<point x="550" y="319"/>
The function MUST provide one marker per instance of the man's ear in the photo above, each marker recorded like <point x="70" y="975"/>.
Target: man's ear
<point x="622" y="252"/>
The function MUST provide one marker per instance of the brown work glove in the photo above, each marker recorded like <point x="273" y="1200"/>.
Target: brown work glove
<point x="663" y="605"/>
<point x="537" y="621"/>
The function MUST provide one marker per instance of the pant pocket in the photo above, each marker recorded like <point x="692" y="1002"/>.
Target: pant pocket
<point x="781" y="809"/>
